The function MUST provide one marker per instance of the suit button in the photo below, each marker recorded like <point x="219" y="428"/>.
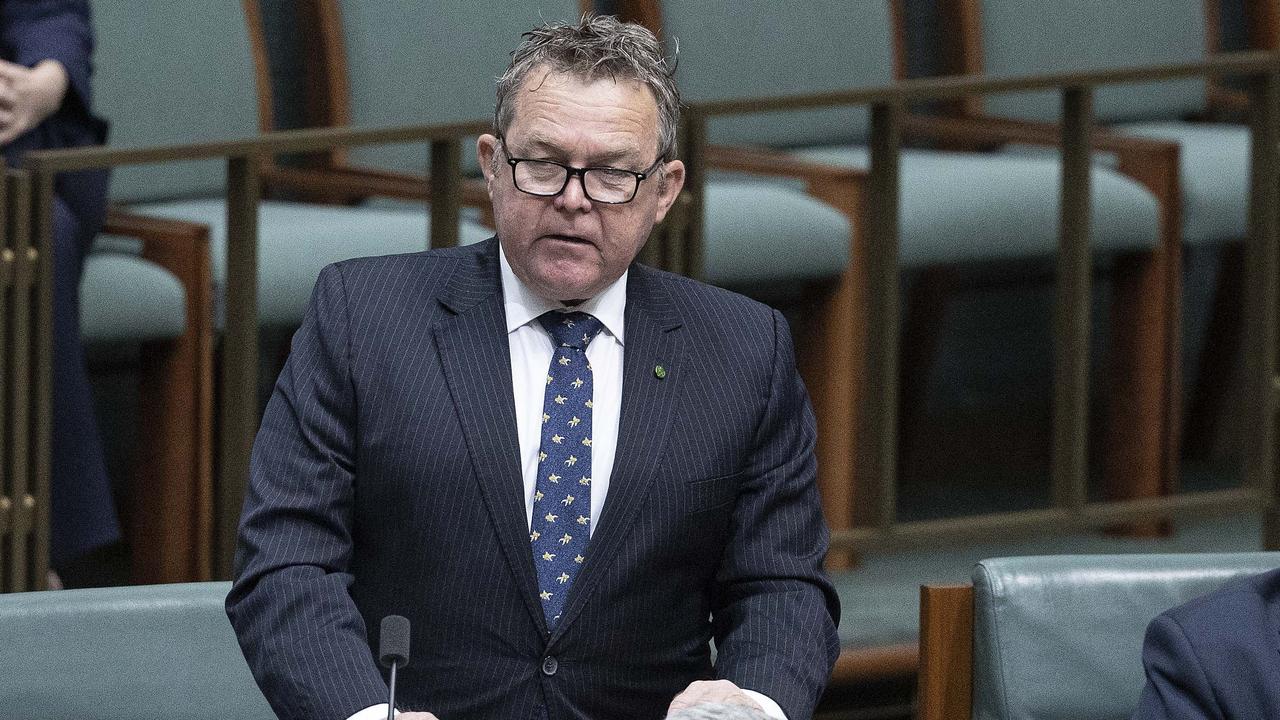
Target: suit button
<point x="549" y="665"/>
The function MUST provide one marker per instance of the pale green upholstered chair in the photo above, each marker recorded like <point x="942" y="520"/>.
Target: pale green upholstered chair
<point x="955" y="207"/>
<point x="180" y="73"/>
<point x="390" y="62"/>
<point x="1008" y="37"/>
<point x="1056" y="636"/>
<point x="154" y="652"/>
<point x="200" y="85"/>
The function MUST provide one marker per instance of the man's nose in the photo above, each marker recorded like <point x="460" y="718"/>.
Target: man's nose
<point x="574" y="196"/>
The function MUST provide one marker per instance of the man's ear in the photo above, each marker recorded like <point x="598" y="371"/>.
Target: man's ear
<point x="670" y="183"/>
<point x="486" y="148"/>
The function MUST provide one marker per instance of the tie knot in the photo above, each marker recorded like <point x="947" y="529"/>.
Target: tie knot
<point x="572" y="329"/>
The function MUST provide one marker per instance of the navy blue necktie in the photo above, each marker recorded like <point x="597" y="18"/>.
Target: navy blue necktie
<point x="561" y="523"/>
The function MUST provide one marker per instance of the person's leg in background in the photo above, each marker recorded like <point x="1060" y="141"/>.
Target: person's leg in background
<point x="85" y="529"/>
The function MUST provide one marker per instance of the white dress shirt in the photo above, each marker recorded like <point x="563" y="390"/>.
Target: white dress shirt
<point x="531" y="351"/>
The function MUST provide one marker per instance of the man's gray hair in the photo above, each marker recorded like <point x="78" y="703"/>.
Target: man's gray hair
<point x="718" y="711"/>
<point x="596" y="46"/>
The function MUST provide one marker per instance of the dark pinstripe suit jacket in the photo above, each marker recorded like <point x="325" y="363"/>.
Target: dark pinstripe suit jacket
<point x="386" y="479"/>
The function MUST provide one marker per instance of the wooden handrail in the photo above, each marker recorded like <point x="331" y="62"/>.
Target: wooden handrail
<point x="245" y="156"/>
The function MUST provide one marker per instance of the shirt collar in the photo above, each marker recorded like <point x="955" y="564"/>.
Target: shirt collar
<point x="522" y="306"/>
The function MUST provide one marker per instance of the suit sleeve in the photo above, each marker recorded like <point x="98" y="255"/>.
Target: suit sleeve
<point x="35" y="30"/>
<point x="1176" y="686"/>
<point x="776" y="611"/>
<point x="301" y="633"/>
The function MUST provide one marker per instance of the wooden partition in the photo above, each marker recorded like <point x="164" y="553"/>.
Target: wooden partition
<point x="679" y="248"/>
<point x="26" y="342"/>
<point x="237" y="410"/>
<point x="875" y="258"/>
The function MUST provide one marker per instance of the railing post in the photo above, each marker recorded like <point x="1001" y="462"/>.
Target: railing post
<point x="446" y="191"/>
<point x="1072" y="326"/>
<point x="1262" y="270"/>
<point x="685" y="252"/>
<point x="238" y="410"/>
<point x="878" y="438"/>
<point x="31" y="216"/>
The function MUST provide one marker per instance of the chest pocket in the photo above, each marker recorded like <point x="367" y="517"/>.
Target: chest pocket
<point x="711" y="493"/>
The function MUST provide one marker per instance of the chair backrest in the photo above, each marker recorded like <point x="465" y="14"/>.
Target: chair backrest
<point x="1023" y="37"/>
<point x="417" y="63"/>
<point x="127" y="653"/>
<point x="736" y="49"/>
<point x="169" y="73"/>
<point x="1061" y="636"/>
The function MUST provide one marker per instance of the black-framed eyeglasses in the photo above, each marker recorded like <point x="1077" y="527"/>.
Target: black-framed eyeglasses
<point x="547" y="178"/>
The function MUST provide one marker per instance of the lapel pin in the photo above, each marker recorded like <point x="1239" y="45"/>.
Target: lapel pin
<point x="659" y="372"/>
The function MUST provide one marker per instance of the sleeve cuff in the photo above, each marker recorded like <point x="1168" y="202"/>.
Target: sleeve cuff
<point x="373" y="712"/>
<point x="765" y="702"/>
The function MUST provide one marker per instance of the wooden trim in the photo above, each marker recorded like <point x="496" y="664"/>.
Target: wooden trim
<point x="170" y="508"/>
<point x="327" y="88"/>
<point x="1263" y="20"/>
<point x="945" y="682"/>
<point x="961" y="53"/>
<point x="885" y="662"/>
<point x="350" y="184"/>
<point x="897" y="25"/>
<point x="261" y="64"/>
<point x="646" y="13"/>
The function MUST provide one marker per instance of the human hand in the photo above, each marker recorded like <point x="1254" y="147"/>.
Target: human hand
<point x="701" y="692"/>
<point x="29" y="95"/>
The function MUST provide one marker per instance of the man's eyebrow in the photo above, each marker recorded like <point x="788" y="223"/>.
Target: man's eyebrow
<point x="536" y="144"/>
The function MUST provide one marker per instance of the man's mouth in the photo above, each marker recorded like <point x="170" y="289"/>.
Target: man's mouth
<point x="569" y="239"/>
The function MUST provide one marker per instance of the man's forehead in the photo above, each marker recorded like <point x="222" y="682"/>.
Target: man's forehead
<point x="542" y="95"/>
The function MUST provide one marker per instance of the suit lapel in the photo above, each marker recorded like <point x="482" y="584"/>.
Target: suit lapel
<point x="476" y="357"/>
<point x="653" y="339"/>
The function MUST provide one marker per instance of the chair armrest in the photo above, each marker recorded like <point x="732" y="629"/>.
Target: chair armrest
<point x="341" y="185"/>
<point x="1226" y="104"/>
<point x="178" y="246"/>
<point x="776" y="163"/>
<point x="989" y="131"/>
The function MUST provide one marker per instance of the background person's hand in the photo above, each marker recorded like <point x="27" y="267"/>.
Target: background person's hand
<point x="29" y="95"/>
<point x="711" y="691"/>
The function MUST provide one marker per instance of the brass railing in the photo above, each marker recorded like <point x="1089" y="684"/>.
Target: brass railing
<point x="875" y="469"/>
<point x="238" y="405"/>
<point x="25" y="351"/>
<point x="680" y="250"/>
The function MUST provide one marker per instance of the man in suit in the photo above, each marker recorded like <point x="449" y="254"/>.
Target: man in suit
<point x="45" y="103"/>
<point x="570" y="471"/>
<point x="1217" y="656"/>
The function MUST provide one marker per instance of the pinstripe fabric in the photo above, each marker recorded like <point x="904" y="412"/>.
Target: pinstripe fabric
<point x="363" y="502"/>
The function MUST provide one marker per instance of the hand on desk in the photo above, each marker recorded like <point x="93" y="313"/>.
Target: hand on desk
<point x="29" y="95"/>
<point x="711" y="691"/>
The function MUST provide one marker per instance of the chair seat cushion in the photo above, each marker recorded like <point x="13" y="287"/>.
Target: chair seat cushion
<point x="1214" y="171"/>
<point x="296" y="240"/>
<point x="122" y="653"/>
<point x="124" y="298"/>
<point x="960" y="207"/>
<point x="760" y="233"/>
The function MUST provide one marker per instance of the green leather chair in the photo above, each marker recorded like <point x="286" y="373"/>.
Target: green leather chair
<point x="185" y="73"/>
<point x="1061" y="636"/>
<point x="157" y="652"/>
<point x="955" y="207"/>
<point x="1017" y="37"/>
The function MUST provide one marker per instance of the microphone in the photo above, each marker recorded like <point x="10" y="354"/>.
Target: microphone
<point x="393" y="652"/>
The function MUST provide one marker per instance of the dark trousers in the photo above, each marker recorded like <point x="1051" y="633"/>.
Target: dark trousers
<point x="83" y="512"/>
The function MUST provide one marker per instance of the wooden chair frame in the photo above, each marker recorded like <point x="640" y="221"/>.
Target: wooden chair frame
<point x="944" y="687"/>
<point x="858" y="417"/>
<point x="168" y="516"/>
<point x="1157" y="475"/>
